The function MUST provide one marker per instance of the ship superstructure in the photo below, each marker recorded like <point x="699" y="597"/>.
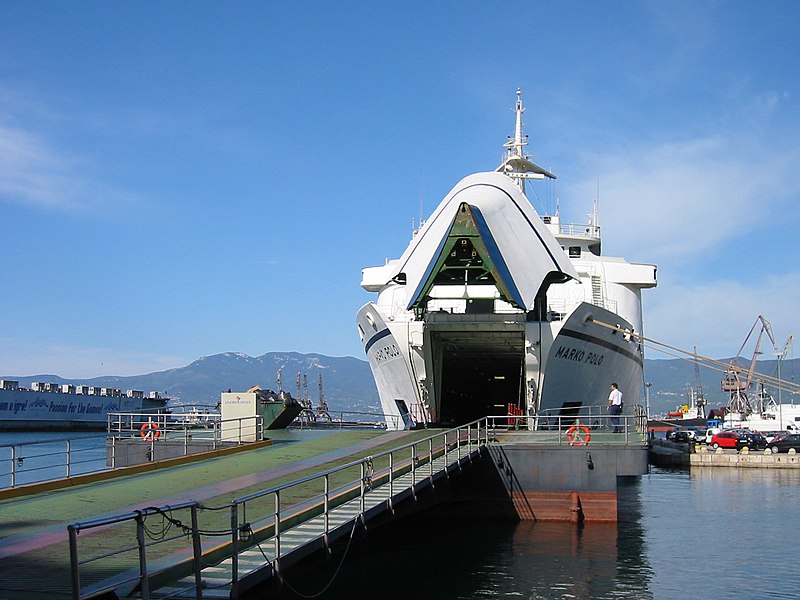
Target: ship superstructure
<point x="493" y="308"/>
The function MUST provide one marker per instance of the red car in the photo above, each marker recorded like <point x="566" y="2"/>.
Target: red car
<point x="739" y="439"/>
<point x="724" y="439"/>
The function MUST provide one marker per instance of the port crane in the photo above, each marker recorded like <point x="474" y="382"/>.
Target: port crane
<point x="698" y="398"/>
<point x="738" y="380"/>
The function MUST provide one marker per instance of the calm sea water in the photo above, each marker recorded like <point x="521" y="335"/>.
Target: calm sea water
<point x="708" y="533"/>
<point x="705" y="534"/>
<point x="44" y="455"/>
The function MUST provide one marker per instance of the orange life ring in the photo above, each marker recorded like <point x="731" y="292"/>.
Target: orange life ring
<point x="582" y="439"/>
<point x="150" y="431"/>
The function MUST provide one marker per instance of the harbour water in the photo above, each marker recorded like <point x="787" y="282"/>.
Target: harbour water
<point x="43" y="455"/>
<point x="704" y="534"/>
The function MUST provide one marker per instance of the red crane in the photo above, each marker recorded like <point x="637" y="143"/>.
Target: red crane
<point x="737" y="380"/>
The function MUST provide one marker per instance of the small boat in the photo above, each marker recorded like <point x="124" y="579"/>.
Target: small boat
<point x="196" y="416"/>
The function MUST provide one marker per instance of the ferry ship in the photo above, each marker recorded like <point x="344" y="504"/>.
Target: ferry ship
<point x="46" y="406"/>
<point x="495" y="309"/>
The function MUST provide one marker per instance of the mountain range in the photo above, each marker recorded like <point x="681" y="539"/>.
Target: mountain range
<point x="347" y="383"/>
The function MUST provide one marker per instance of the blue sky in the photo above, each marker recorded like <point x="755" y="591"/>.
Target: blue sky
<point x="187" y="178"/>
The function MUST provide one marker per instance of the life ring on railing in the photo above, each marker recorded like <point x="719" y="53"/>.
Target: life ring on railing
<point x="581" y="438"/>
<point x="150" y="431"/>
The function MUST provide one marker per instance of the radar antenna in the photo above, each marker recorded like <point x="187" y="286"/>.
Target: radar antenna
<point x="516" y="164"/>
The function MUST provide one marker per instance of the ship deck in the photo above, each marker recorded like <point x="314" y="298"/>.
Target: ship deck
<point x="34" y="552"/>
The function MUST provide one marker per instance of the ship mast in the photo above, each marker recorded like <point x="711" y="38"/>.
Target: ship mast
<point x="516" y="164"/>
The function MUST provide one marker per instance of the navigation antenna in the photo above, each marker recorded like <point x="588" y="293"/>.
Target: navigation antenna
<point x="594" y="220"/>
<point x="516" y="164"/>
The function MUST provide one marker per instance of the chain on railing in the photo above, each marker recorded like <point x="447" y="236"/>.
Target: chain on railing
<point x="241" y="531"/>
<point x="270" y="514"/>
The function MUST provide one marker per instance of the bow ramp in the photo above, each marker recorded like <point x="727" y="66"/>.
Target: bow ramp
<point x="484" y="233"/>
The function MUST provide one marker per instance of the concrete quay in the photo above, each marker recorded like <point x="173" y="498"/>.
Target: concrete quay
<point x="665" y="453"/>
<point x="708" y="457"/>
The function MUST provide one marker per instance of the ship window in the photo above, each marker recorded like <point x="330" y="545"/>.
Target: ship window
<point x="574" y="251"/>
<point x="360" y="332"/>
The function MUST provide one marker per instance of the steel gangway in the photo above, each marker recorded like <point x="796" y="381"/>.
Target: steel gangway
<point x="256" y="537"/>
<point x="377" y="493"/>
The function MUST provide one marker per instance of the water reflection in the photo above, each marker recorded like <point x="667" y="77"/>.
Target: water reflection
<point x="431" y="556"/>
<point x="715" y="530"/>
<point x="700" y="534"/>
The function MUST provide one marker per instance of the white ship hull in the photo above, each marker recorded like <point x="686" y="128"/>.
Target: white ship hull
<point x="23" y="409"/>
<point x="460" y="371"/>
<point x="493" y="310"/>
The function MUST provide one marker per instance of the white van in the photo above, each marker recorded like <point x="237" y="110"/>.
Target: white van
<point x="711" y="432"/>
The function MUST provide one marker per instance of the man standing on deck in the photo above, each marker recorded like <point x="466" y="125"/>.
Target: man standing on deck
<point x="615" y="406"/>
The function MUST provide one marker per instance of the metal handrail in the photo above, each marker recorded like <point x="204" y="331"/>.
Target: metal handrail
<point x="24" y="467"/>
<point x="28" y="460"/>
<point x="252" y="518"/>
<point x="470" y="435"/>
<point x="613" y="430"/>
<point x="381" y="419"/>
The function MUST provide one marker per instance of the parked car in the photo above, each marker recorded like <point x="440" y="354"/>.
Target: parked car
<point x="682" y="435"/>
<point x="710" y="433"/>
<point x="783" y="444"/>
<point x="753" y="441"/>
<point x="738" y="440"/>
<point x="699" y="436"/>
<point x="774" y="435"/>
<point x="724" y="439"/>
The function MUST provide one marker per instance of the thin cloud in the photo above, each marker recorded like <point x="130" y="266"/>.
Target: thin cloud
<point x="35" y="173"/>
<point x="716" y="315"/>
<point x="682" y="198"/>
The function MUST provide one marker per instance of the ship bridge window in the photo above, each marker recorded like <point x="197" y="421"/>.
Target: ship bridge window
<point x="574" y="251"/>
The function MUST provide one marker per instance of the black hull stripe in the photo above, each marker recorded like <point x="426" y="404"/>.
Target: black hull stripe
<point x="375" y="338"/>
<point x="601" y="342"/>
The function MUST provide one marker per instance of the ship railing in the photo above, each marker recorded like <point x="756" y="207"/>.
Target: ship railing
<point x="341" y="419"/>
<point x="142" y="437"/>
<point x="171" y="426"/>
<point x="50" y="459"/>
<point x="577" y="426"/>
<point x="574" y="229"/>
<point x="156" y="434"/>
<point x="171" y="545"/>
